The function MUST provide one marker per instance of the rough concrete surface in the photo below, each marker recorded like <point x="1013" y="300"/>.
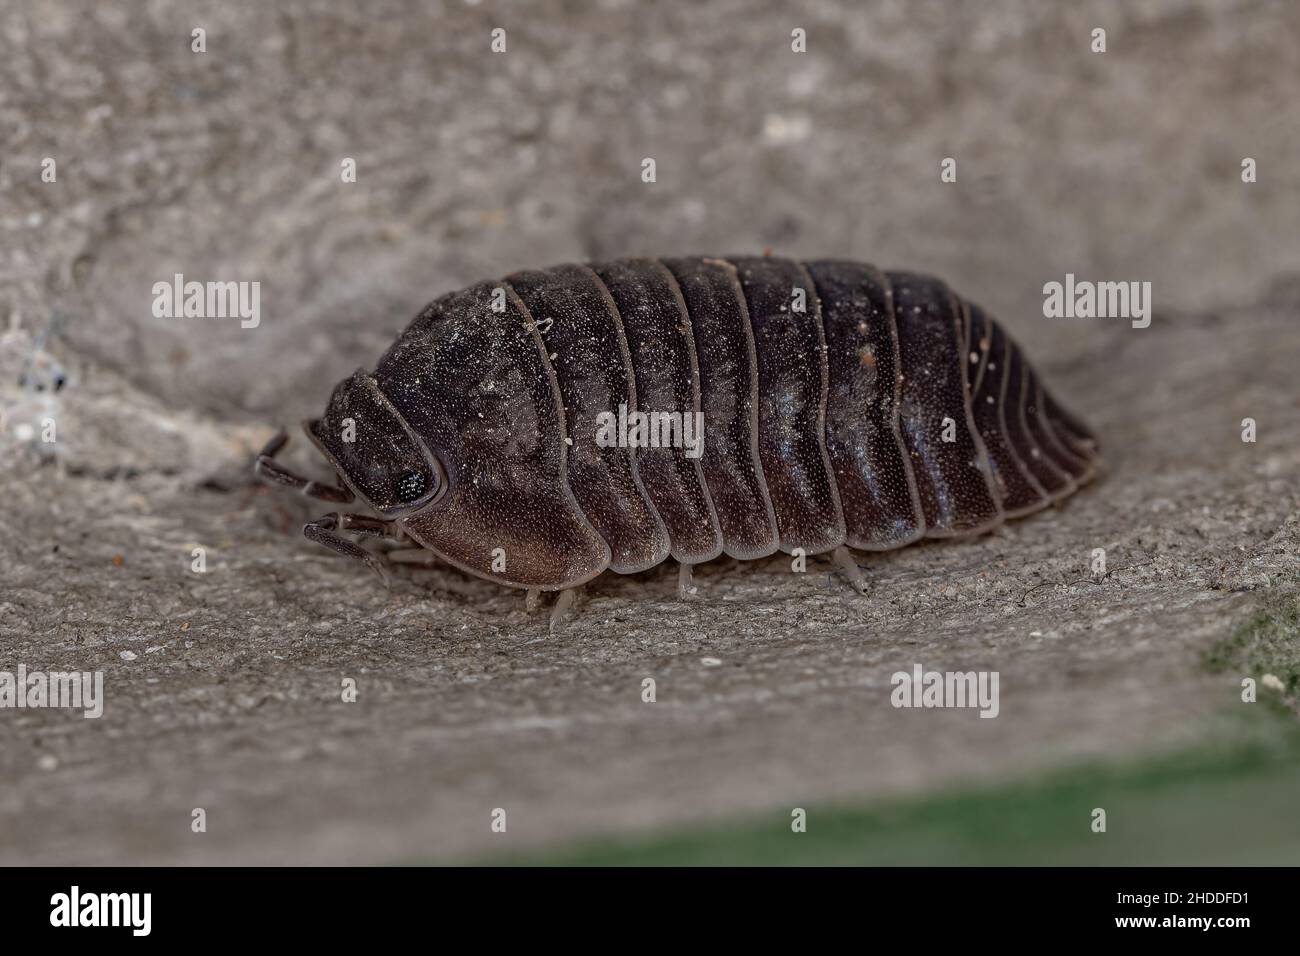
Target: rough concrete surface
<point x="223" y="689"/>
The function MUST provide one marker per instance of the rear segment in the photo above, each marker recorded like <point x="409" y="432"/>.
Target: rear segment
<point x="1020" y="490"/>
<point x="952" y="469"/>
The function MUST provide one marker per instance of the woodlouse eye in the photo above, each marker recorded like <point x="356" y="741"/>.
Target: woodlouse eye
<point x="410" y="486"/>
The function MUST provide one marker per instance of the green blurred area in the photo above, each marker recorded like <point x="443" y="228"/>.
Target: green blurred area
<point x="1268" y="643"/>
<point x="1234" y="799"/>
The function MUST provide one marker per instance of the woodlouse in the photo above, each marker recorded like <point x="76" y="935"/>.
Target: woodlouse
<point x="842" y="406"/>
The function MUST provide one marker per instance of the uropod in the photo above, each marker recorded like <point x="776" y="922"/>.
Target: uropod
<point x="541" y="429"/>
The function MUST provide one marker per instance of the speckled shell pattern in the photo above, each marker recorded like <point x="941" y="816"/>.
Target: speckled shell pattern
<point x="872" y="410"/>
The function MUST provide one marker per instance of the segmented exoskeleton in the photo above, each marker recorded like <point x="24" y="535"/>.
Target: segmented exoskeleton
<point x="841" y="406"/>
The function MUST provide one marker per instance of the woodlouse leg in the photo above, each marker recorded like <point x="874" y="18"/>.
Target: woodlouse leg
<point x="563" y="604"/>
<point x="267" y="467"/>
<point x="849" y="565"/>
<point x="685" y="581"/>
<point x="365" y="524"/>
<point x="322" y="532"/>
<point x="532" y="600"/>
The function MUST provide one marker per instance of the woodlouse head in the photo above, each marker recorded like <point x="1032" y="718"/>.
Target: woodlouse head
<point x="374" y="450"/>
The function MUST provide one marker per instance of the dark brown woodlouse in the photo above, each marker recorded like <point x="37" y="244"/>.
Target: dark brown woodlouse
<point x="841" y="407"/>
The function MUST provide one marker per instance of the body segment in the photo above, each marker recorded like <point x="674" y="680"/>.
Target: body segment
<point x="792" y="384"/>
<point x="587" y="348"/>
<point x="661" y="342"/>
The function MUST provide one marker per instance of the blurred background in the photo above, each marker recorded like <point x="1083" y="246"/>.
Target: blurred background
<point x="470" y="164"/>
<point x="225" y="165"/>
